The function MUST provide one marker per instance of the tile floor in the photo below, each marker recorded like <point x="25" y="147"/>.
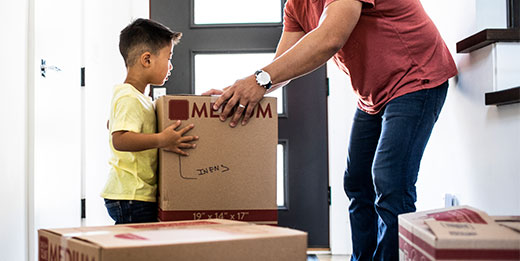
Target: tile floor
<point x="329" y="257"/>
<point x="325" y="256"/>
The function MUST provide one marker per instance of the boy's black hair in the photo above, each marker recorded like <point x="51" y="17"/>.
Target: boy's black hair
<point x="144" y="35"/>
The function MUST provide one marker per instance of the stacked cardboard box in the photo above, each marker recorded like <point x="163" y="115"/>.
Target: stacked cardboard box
<point x="458" y="233"/>
<point x="232" y="172"/>
<point x="181" y="240"/>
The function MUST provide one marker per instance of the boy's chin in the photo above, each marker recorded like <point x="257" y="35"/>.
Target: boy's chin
<point x="160" y="83"/>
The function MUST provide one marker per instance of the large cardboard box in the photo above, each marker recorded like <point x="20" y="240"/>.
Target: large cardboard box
<point x="458" y="233"/>
<point x="180" y="241"/>
<point x="232" y="172"/>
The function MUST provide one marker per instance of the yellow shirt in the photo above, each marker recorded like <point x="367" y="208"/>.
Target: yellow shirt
<point x="132" y="174"/>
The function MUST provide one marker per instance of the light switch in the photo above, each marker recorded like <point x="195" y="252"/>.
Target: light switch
<point x="158" y="92"/>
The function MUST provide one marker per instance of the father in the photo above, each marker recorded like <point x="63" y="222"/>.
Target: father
<point x="399" y="66"/>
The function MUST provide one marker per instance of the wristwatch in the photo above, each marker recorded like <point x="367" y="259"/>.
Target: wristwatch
<point x="263" y="79"/>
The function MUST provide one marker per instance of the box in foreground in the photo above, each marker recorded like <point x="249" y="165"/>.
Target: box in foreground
<point x="232" y="172"/>
<point x="180" y="240"/>
<point x="458" y="233"/>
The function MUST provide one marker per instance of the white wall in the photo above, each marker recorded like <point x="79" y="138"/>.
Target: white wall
<point x="341" y="107"/>
<point x="474" y="151"/>
<point x="105" y="68"/>
<point x="13" y="101"/>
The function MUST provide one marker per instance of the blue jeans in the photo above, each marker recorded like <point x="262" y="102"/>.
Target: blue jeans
<point x="131" y="211"/>
<point x="384" y="154"/>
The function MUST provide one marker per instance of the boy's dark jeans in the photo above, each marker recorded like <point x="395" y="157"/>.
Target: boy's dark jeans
<point x="131" y="211"/>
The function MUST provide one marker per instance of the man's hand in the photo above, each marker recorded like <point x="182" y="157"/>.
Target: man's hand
<point x="297" y="54"/>
<point x="213" y="92"/>
<point x="244" y="94"/>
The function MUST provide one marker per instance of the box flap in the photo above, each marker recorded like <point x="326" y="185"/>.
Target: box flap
<point x="163" y="233"/>
<point x="511" y="222"/>
<point x="465" y="214"/>
<point x="187" y="234"/>
<point x="469" y="227"/>
<point x="473" y="235"/>
<point x="85" y="233"/>
<point x="181" y="240"/>
<point x="414" y="227"/>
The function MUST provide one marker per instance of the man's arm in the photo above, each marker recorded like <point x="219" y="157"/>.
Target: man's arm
<point x="287" y="40"/>
<point x="307" y="54"/>
<point x="318" y="46"/>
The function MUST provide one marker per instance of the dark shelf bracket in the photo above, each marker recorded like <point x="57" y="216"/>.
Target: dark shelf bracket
<point x="487" y="37"/>
<point x="503" y="97"/>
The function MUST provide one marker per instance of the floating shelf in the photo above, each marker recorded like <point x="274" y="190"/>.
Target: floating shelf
<point x="487" y="37"/>
<point x="503" y="97"/>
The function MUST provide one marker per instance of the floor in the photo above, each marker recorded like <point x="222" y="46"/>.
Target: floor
<point x="329" y="258"/>
<point x="325" y="256"/>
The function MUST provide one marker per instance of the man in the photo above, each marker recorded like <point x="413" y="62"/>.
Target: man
<point x="399" y="67"/>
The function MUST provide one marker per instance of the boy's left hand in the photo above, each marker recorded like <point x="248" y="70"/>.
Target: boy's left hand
<point x="175" y="141"/>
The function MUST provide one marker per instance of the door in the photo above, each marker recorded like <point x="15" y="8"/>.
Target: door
<point x="222" y="42"/>
<point x="55" y="126"/>
<point x="104" y="68"/>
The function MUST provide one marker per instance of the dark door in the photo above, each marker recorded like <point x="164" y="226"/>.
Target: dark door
<point x="302" y="122"/>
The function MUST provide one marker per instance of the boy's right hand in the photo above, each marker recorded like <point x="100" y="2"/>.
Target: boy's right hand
<point x="175" y="141"/>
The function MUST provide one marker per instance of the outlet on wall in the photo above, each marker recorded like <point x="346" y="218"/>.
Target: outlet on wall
<point x="158" y="92"/>
<point x="450" y="200"/>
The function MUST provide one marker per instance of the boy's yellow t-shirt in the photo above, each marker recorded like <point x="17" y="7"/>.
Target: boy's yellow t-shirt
<point x="132" y="174"/>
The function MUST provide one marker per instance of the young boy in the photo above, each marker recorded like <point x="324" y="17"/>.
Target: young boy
<point x="130" y="192"/>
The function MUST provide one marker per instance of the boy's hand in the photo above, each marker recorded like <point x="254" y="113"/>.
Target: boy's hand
<point x="175" y="141"/>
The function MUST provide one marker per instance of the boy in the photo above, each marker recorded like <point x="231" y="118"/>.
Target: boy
<point x="130" y="192"/>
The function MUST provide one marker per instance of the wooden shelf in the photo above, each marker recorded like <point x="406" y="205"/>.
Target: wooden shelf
<point x="487" y="37"/>
<point x="503" y="97"/>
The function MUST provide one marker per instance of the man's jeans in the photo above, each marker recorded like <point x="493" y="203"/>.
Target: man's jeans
<point x="131" y="211"/>
<point x="384" y="154"/>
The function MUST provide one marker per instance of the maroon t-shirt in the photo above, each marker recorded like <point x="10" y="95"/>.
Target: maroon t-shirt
<point x="394" y="49"/>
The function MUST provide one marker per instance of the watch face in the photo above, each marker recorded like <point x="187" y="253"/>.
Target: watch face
<point x="263" y="78"/>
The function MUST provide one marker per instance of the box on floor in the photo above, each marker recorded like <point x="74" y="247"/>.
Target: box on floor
<point x="178" y="240"/>
<point x="458" y="233"/>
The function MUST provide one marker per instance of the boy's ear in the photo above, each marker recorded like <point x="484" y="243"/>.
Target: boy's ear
<point x="146" y="59"/>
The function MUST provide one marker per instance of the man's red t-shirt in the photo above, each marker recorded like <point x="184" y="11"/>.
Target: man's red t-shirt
<point x="394" y="49"/>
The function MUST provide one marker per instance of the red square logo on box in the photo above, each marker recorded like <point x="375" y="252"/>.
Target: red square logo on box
<point x="178" y="110"/>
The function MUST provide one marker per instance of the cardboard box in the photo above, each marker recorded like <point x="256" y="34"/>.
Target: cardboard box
<point x="457" y="233"/>
<point x="180" y="240"/>
<point x="232" y="172"/>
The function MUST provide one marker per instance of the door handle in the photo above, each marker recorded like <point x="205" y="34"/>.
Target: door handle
<point x="44" y="68"/>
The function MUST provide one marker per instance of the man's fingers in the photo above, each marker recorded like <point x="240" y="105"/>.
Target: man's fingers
<point x="213" y="92"/>
<point x="228" y="109"/>
<point x="249" y="112"/>
<point x="238" y="113"/>
<point x="222" y="99"/>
